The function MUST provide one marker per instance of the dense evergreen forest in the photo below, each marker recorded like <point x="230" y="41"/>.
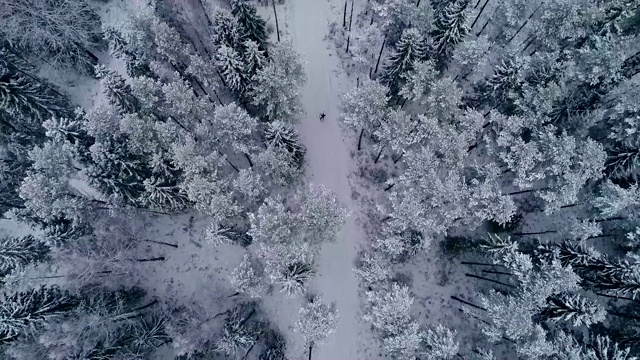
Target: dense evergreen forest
<point x="162" y="183"/>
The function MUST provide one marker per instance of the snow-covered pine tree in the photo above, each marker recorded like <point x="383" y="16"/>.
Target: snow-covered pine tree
<point x="253" y="58"/>
<point x="364" y="108"/>
<point x="232" y="68"/>
<point x="245" y="278"/>
<point x="19" y="251"/>
<point x="26" y="311"/>
<point x="252" y="26"/>
<point x="450" y="27"/>
<point x="394" y="16"/>
<point x="64" y="31"/>
<point x="388" y="309"/>
<point x="24" y="98"/>
<point x="440" y="343"/>
<point x="409" y="50"/>
<point x="237" y="333"/>
<point x="613" y="199"/>
<point x="119" y="93"/>
<point x="280" y="135"/>
<point x="295" y="276"/>
<point x="275" y="87"/>
<point x="226" y="30"/>
<point x="105" y="325"/>
<point x="418" y="80"/>
<point x="576" y="309"/>
<point x="316" y="321"/>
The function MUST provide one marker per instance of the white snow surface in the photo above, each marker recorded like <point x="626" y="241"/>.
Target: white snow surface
<point x="328" y="163"/>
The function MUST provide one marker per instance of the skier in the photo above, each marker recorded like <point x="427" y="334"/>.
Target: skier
<point x="322" y="116"/>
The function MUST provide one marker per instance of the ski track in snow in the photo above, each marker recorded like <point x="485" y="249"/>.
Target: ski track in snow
<point x="329" y="164"/>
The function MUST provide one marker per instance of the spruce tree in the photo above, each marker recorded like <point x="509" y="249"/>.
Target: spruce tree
<point x="281" y="135"/>
<point x="119" y="93"/>
<point x="450" y="27"/>
<point x="26" y="311"/>
<point x="252" y="26"/>
<point x="232" y="68"/>
<point x="573" y="308"/>
<point x="409" y="49"/>
<point x="226" y="30"/>
<point x="26" y="101"/>
<point x="18" y="251"/>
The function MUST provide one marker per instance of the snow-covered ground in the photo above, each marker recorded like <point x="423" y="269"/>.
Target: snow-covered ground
<point x="329" y="164"/>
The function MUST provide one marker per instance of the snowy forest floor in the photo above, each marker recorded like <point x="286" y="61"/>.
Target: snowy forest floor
<point x="328" y="163"/>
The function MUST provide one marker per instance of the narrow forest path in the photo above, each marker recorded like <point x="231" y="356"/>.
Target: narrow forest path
<point x="329" y="164"/>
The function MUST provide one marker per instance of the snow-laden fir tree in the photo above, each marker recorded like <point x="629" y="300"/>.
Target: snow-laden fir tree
<point x="119" y="93"/>
<point x="284" y="136"/>
<point x="26" y="98"/>
<point x="226" y="29"/>
<point x="275" y="87"/>
<point x="19" y="251"/>
<point x="232" y="68"/>
<point x="252" y="26"/>
<point x="573" y="308"/>
<point x="253" y="58"/>
<point x="316" y="321"/>
<point x="409" y="50"/>
<point x="450" y="27"/>
<point x="404" y="345"/>
<point x="24" y="312"/>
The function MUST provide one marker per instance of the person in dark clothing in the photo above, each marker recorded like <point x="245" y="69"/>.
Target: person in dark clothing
<point x="322" y="116"/>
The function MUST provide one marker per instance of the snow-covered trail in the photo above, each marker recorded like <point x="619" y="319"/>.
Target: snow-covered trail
<point x="329" y="164"/>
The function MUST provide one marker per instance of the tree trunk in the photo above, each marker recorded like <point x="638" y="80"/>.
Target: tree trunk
<point x="310" y="349"/>
<point x="398" y="158"/>
<point x="379" y="154"/>
<point x="204" y="11"/>
<point x="389" y="187"/>
<point x="467" y="303"/>
<point x="477" y="263"/>
<point x="384" y="40"/>
<point x="611" y="219"/>
<point x="160" y="243"/>
<point x="603" y="236"/>
<point x="160" y="258"/>
<point x="360" y="139"/>
<point x="483" y="27"/>
<point x="617" y="297"/>
<point x="248" y="159"/>
<point x="275" y="14"/>
<point x="478" y="3"/>
<point x="490" y="280"/>
<point x="350" y="21"/>
<point x="344" y="15"/>
<point x="497" y="272"/>
<point x="479" y="14"/>
<point x="536" y="233"/>
<point x="526" y="191"/>
<point x="418" y="3"/>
